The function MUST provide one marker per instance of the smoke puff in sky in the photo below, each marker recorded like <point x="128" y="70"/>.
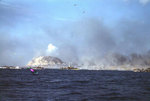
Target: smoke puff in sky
<point x="85" y="38"/>
<point x="51" y="48"/>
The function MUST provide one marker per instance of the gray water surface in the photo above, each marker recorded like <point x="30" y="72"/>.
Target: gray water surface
<point x="69" y="85"/>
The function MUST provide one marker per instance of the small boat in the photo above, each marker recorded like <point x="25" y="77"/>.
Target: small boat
<point x="69" y="68"/>
<point x="34" y="71"/>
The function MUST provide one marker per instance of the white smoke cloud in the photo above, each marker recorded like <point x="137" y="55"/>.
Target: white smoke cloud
<point x="51" y="48"/>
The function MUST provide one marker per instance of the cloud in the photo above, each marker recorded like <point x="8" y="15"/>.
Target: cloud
<point x="144" y="2"/>
<point x="12" y="50"/>
<point x="12" y="13"/>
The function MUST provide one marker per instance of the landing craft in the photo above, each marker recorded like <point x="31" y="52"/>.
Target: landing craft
<point x="69" y="68"/>
<point x="34" y="72"/>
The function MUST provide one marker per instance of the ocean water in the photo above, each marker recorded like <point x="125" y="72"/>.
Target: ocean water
<point x="71" y="85"/>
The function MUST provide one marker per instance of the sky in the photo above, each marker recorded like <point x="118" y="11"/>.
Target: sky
<point x="73" y="30"/>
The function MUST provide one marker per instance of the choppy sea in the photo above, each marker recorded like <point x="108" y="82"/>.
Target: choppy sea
<point x="73" y="85"/>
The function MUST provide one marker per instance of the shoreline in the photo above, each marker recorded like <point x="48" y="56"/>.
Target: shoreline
<point x="110" y="68"/>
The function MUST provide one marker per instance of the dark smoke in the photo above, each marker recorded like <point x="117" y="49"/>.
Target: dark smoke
<point x="133" y="59"/>
<point x="93" y="42"/>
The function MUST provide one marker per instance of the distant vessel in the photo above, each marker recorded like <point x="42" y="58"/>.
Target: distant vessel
<point x="69" y="68"/>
